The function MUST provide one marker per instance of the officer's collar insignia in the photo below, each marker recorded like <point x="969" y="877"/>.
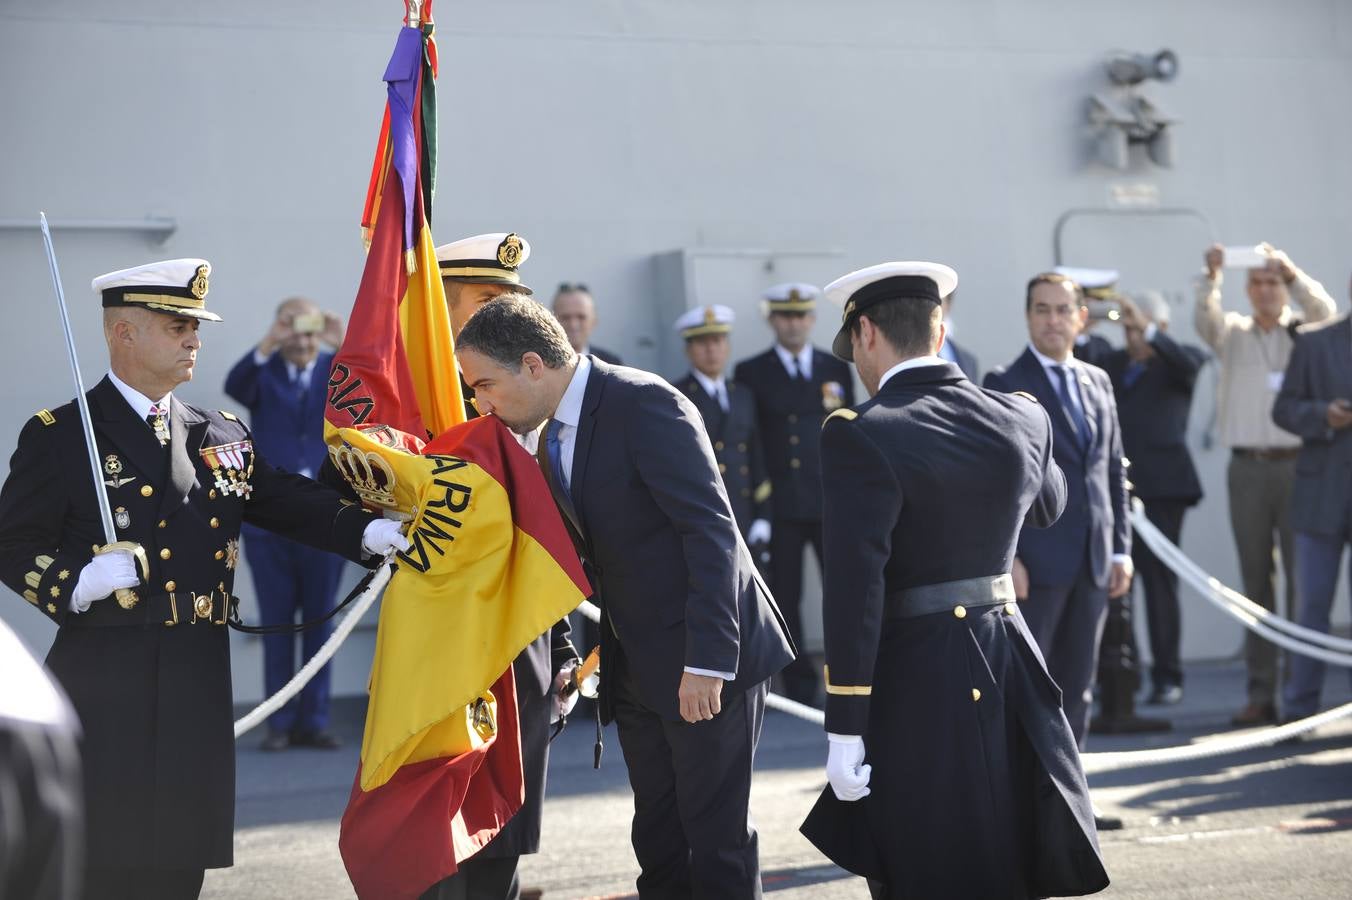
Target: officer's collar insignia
<point x="198" y="286"/>
<point x="232" y="464"/>
<point x="509" y="251"/>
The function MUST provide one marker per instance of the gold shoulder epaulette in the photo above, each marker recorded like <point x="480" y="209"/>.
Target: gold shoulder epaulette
<point x="1025" y="395"/>
<point x="845" y="413"/>
<point x="229" y="415"/>
<point x="45" y="416"/>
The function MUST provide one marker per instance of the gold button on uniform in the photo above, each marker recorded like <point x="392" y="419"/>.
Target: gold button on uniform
<point x="146" y="490"/>
<point x="211" y="494"/>
<point x="745" y="470"/>
<point x="793" y="439"/>
<point x="718" y="445"/>
<point x="795" y="463"/>
<point x="165" y="553"/>
<point x="976" y="695"/>
<point x="163" y="523"/>
<point x="960" y="612"/>
<point x="741" y="448"/>
<point x="793" y="417"/>
<point x="215" y="522"/>
<point x="220" y="554"/>
<point x="722" y="468"/>
<point x="1010" y="607"/>
<point x="169" y="585"/>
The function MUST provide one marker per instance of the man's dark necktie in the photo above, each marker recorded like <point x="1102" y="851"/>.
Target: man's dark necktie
<point x="1070" y="407"/>
<point x="159" y="423"/>
<point x="558" y="480"/>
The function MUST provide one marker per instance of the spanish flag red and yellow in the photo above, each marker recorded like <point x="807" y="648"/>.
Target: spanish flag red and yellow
<point x="491" y="566"/>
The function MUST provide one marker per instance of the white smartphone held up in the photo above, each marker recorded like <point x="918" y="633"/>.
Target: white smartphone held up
<point x="1245" y="257"/>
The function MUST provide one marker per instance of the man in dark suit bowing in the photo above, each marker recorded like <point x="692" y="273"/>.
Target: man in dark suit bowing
<point x="796" y="386"/>
<point x="689" y="632"/>
<point x="1153" y="379"/>
<point x="1069" y="571"/>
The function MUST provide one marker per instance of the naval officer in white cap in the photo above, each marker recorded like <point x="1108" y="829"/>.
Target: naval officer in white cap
<point x="148" y="671"/>
<point x="796" y="386"/>
<point x="729" y="413"/>
<point x="942" y="722"/>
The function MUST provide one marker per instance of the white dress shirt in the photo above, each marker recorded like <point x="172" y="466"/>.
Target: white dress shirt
<point x="716" y="389"/>
<point x="137" y="400"/>
<point x="569" y="414"/>
<point x="803" y="358"/>
<point x="913" y="363"/>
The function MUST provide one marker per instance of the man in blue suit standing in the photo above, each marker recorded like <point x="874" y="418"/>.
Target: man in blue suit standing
<point x="282" y="382"/>
<point x="1067" y="572"/>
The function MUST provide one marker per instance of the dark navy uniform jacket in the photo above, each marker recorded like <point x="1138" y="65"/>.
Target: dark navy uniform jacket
<point x="976" y="788"/>
<point x="790" y="413"/>
<point x="151" y="683"/>
<point x="737" y="448"/>
<point x="1153" y="408"/>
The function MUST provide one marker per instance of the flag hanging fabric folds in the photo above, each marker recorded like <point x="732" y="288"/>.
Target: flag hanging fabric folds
<point x="491" y="565"/>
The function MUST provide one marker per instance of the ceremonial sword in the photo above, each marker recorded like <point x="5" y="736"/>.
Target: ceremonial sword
<point x="126" y="597"/>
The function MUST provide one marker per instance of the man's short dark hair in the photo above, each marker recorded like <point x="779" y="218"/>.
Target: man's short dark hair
<point x="910" y="325"/>
<point x="1050" y="278"/>
<point x="508" y="327"/>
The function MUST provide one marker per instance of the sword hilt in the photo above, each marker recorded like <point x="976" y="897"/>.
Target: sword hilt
<point x="127" y="597"/>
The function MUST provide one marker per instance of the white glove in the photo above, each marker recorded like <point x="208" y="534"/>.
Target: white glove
<point x="560" y="705"/>
<point x="104" y="574"/>
<point x="383" y="535"/>
<point x="848" y="778"/>
<point x="759" y="532"/>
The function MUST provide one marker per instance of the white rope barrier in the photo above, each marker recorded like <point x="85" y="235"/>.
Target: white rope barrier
<point x="321" y="657"/>
<point x="1250" y="614"/>
<point x="1099" y="763"/>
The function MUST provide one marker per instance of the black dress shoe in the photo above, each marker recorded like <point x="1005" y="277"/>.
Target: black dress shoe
<point x="1107" y="823"/>
<point x="317" y="740"/>
<point x="1255" y="714"/>
<point x="276" y="740"/>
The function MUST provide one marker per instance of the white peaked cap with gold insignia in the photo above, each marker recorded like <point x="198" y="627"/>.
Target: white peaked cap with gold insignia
<point x="704" y="320"/>
<point x="857" y="291"/>
<point x="1096" y="283"/>
<point x="791" y="296"/>
<point x="176" y="287"/>
<point x="485" y="259"/>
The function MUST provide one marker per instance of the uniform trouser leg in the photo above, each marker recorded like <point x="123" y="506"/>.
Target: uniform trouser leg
<point x="1260" y="493"/>
<point x="788" y="538"/>
<point x="319" y="583"/>
<point x="1067" y="623"/>
<point x="1160" y="584"/>
<point x="277" y="587"/>
<point x="692" y="788"/>
<point x="480" y="879"/>
<point x="1318" y="559"/>
<point x="143" y="884"/>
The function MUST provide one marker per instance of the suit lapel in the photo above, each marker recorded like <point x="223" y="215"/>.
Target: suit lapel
<point x="1062" y="424"/>
<point x="591" y="400"/>
<point x="1089" y="397"/>
<point x="186" y="433"/>
<point x="1342" y="357"/>
<point x="127" y="434"/>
